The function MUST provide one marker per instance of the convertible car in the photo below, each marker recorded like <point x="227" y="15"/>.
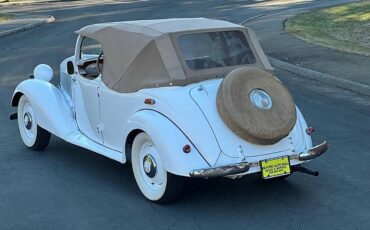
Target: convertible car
<point x="190" y="97"/>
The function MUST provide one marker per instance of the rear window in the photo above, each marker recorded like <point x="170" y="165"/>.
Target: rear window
<point x="215" y="49"/>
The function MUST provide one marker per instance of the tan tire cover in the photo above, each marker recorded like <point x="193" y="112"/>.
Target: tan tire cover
<point x="257" y="125"/>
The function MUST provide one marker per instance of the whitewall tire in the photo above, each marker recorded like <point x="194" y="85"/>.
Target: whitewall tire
<point x="33" y="136"/>
<point x="154" y="181"/>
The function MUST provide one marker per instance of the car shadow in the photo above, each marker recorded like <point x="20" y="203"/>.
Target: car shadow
<point x="75" y="162"/>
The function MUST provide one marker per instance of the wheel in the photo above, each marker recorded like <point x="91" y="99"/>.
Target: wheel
<point x="154" y="181"/>
<point x="256" y="106"/>
<point x="33" y="136"/>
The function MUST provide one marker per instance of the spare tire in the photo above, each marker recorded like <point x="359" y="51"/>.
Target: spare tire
<point x="256" y="106"/>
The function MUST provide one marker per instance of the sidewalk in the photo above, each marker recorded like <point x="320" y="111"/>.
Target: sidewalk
<point x="279" y="44"/>
<point x="21" y="22"/>
<point x="25" y="2"/>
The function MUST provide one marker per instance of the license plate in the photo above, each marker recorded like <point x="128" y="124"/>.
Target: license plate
<point x="275" y="167"/>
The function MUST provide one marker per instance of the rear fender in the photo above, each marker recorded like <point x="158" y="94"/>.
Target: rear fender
<point x="51" y="109"/>
<point x="169" y="140"/>
<point x="304" y="126"/>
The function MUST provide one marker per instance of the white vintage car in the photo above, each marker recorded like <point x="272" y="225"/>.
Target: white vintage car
<point x="178" y="98"/>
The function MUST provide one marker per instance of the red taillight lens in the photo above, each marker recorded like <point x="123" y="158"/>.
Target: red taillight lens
<point x="310" y="130"/>
<point x="186" y="149"/>
<point x="149" y="101"/>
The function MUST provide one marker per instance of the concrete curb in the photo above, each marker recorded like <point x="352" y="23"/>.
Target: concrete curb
<point x="24" y="3"/>
<point x="257" y="16"/>
<point x="311" y="74"/>
<point x="322" y="77"/>
<point x="49" y="19"/>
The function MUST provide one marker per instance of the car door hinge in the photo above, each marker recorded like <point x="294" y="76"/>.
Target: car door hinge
<point x="100" y="127"/>
<point x="73" y="112"/>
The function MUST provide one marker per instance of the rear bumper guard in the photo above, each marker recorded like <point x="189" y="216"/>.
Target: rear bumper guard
<point x="313" y="152"/>
<point x="231" y="169"/>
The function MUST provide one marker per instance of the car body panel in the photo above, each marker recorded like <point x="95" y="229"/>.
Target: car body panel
<point x="51" y="109"/>
<point x="176" y="104"/>
<point x="169" y="140"/>
<point x="79" y="139"/>
<point x="86" y="104"/>
<point x="89" y="114"/>
<point x="115" y="110"/>
<point x="54" y="115"/>
<point x="231" y="144"/>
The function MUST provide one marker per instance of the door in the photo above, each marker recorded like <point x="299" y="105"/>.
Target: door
<point x="85" y="90"/>
<point x="116" y="109"/>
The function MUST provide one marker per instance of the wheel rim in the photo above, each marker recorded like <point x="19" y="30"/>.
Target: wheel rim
<point x="151" y="167"/>
<point x="26" y="122"/>
<point x="148" y="169"/>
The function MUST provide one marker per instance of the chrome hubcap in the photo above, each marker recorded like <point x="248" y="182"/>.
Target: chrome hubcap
<point x="27" y="120"/>
<point x="260" y="99"/>
<point x="150" y="166"/>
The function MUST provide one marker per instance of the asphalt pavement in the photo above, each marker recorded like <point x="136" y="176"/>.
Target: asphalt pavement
<point x="67" y="187"/>
<point x="271" y="29"/>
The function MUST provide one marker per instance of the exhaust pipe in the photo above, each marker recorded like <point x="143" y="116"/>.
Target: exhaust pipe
<point x="301" y="169"/>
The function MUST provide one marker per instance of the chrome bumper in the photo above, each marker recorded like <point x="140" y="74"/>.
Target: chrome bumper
<point x="313" y="152"/>
<point x="243" y="167"/>
<point x="232" y="169"/>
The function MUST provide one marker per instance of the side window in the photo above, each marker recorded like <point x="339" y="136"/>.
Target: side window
<point x="90" y="67"/>
<point x="89" y="49"/>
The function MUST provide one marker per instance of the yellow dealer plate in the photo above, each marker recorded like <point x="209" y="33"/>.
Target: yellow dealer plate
<point x="275" y="167"/>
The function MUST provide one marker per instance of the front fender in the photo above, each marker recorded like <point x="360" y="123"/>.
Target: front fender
<point x="169" y="140"/>
<point x="51" y="110"/>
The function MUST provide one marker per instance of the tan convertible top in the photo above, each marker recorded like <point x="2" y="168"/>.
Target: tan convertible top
<point x="141" y="54"/>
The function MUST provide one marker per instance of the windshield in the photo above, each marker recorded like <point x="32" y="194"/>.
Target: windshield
<point x="215" y="49"/>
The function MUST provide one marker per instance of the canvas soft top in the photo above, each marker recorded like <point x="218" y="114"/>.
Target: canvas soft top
<point x="141" y="54"/>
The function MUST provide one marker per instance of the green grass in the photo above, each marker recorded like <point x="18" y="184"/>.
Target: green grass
<point x="345" y="27"/>
<point x="4" y="17"/>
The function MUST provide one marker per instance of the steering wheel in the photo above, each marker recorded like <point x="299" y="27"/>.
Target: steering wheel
<point x="100" y="57"/>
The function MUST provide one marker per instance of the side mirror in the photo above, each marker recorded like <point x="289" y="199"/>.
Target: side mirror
<point x="43" y="72"/>
<point x="70" y="68"/>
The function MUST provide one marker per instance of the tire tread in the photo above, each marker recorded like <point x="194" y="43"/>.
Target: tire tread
<point x="175" y="187"/>
<point x="42" y="139"/>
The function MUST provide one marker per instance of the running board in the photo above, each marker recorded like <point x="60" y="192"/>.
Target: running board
<point x="77" y="138"/>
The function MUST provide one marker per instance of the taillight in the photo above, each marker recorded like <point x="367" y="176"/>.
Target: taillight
<point x="186" y="149"/>
<point x="310" y="130"/>
<point x="149" y="101"/>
